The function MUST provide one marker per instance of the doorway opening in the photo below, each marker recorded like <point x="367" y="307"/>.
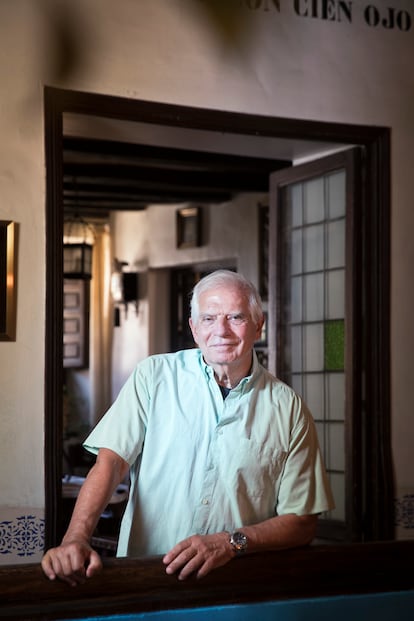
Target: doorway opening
<point x="252" y="132"/>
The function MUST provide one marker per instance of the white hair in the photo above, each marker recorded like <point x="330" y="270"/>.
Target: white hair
<point x="223" y="278"/>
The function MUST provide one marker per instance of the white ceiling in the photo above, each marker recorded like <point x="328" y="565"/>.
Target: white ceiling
<point x="101" y="128"/>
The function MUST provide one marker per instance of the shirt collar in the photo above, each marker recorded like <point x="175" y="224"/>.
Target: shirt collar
<point x="244" y="383"/>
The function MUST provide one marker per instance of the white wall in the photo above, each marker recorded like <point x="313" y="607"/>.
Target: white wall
<point x="167" y="50"/>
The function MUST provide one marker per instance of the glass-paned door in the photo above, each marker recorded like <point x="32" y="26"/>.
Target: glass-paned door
<point x="311" y="210"/>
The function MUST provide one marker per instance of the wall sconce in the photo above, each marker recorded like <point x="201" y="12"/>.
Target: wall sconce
<point x="77" y="261"/>
<point x="77" y="249"/>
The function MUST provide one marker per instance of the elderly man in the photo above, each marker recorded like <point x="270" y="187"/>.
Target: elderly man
<point x="223" y="457"/>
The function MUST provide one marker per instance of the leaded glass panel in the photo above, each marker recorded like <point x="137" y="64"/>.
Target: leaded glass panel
<point x="296" y="350"/>
<point x="313" y="201"/>
<point x="334" y="338"/>
<point x="335" y="396"/>
<point x="313" y="350"/>
<point x="313" y="248"/>
<point x="335" y="455"/>
<point x="313" y="393"/>
<point x="336" y="244"/>
<point x="337" y="481"/>
<point x="313" y="303"/>
<point x="296" y="299"/>
<point x="313" y="312"/>
<point x="296" y="216"/>
<point x="335" y="293"/>
<point x="336" y="194"/>
<point x="296" y="251"/>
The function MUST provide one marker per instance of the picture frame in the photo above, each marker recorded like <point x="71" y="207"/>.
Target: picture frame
<point x="188" y="227"/>
<point x="8" y="288"/>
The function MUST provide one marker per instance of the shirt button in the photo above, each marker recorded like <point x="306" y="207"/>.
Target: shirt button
<point x="205" y="501"/>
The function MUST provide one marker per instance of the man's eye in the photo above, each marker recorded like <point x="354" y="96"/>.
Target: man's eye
<point x="208" y="319"/>
<point x="236" y="319"/>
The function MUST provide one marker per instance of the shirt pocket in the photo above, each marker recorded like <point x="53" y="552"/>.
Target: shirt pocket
<point x="253" y="470"/>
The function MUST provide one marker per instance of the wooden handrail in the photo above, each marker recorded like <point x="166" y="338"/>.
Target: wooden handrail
<point x="139" y="585"/>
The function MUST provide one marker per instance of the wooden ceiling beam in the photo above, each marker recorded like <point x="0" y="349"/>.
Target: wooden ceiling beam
<point x="233" y="181"/>
<point x="100" y="151"/>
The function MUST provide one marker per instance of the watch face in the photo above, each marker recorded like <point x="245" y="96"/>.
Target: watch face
<point x="239" y="541"/>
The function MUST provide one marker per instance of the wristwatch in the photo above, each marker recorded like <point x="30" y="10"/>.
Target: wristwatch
<point x="239" y="542"/>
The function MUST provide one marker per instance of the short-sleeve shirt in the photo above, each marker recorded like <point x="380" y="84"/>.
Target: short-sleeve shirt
<point x="202" y="464"/>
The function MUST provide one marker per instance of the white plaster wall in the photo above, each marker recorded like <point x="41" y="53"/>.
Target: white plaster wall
<point x="227" y="231"/>
<point x="130" y="340"/>
<point x="166" y="50"/>
<point x="22" y="192"/>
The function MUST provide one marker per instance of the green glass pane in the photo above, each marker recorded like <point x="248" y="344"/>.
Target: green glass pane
<point x="334" y="345"/>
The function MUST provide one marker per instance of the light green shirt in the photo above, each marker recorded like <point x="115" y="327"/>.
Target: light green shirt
<point x="201" y="464"/>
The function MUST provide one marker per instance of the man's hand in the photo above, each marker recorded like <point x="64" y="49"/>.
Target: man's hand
<point x="74" y="560"/>
<point x="199" y="554"/>
<point x="71" y="562"/>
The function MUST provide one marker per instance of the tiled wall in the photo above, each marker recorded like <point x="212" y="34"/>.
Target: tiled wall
<point x="22" y="535"/>
<point x="404" y="514"/>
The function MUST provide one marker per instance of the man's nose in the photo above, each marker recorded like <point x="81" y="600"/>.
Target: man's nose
<point x="222" y="324"/>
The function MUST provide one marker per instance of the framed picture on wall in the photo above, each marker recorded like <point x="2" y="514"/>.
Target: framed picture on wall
<point x="7" y="280"/>
<point x="188" y="227"/>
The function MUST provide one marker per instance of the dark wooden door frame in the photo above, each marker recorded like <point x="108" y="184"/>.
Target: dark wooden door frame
<point x="375" y="277"/>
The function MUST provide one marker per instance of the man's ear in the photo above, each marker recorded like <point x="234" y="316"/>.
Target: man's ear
<point x="193" y="328"/>
<point x="259" y="328"/>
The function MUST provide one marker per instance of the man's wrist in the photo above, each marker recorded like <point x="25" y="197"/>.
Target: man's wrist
<point x="77" y="539"/>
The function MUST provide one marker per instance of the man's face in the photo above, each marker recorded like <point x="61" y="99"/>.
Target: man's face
<point x="224" y="330"/>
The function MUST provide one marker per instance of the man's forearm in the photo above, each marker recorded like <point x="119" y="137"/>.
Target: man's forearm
<point x="94" y="496"/>
<point x="199" y="554"/>
<point x="284" y="531"/>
